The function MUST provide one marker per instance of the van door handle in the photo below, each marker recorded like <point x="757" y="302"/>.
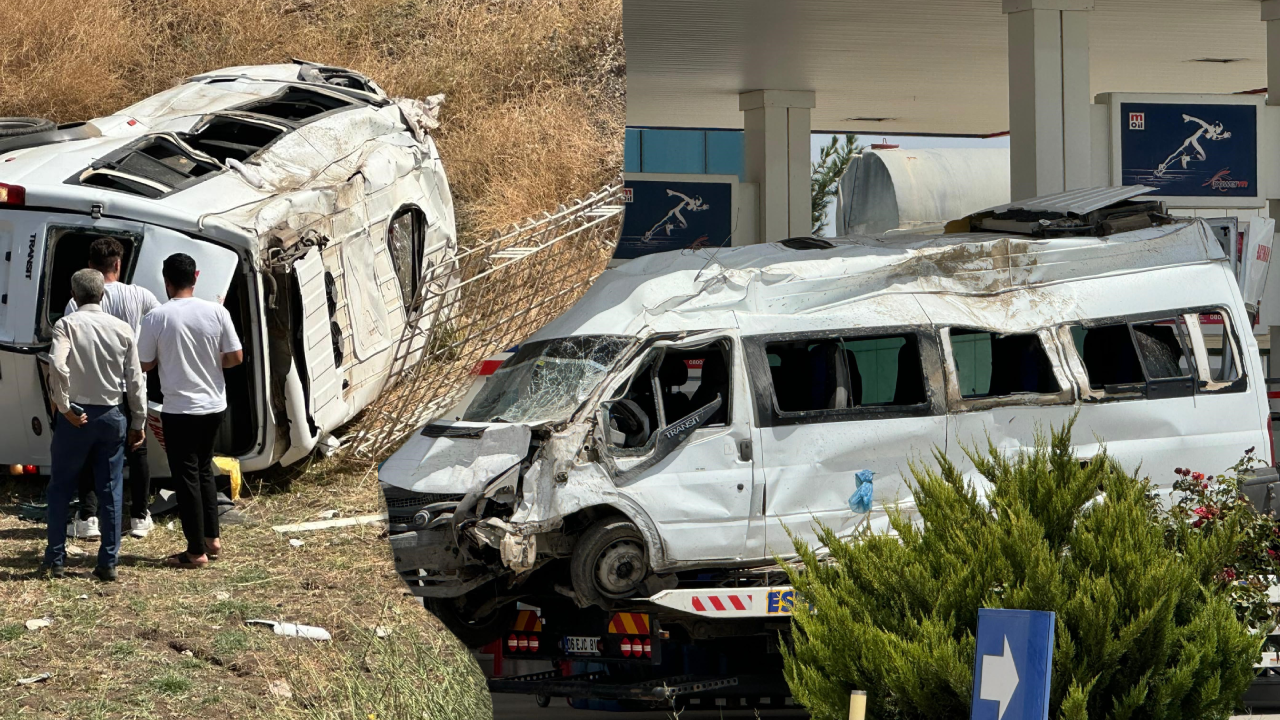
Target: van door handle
<point x="744" y="450"/>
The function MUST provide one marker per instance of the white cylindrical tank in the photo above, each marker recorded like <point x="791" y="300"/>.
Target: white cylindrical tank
<point x="892" y="189"/>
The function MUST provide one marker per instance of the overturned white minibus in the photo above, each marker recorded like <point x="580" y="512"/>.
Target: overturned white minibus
<point x="694" y="406"/>
<point x="316" y="208"/>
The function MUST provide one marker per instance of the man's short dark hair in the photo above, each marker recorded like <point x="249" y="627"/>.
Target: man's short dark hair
<point x="179" y="271"/>
<point x="104" y="252"/>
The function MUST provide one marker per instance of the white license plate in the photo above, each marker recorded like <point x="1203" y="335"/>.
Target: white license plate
<point x="575" y="645"/>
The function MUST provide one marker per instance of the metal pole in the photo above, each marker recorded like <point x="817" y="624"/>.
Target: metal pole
<point x="857" y="704"/>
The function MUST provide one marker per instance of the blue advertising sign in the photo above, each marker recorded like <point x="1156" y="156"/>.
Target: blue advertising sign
<point x="1189" y="149"/>
<point x="1012" y="664"/>
<point x="665" y="215"/>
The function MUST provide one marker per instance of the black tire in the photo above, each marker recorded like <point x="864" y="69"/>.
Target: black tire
<point x="472" y="631"/>
<point x="15" y="126"/>
<point x="609" y="562"/>
<point x="542" y="700"/>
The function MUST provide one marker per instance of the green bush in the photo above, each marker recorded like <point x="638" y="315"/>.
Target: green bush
<point x="1146" y="626"/>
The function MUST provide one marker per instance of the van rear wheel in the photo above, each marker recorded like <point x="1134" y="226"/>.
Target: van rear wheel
<point x="15" y="126"/>
<point x="609" y="563"/>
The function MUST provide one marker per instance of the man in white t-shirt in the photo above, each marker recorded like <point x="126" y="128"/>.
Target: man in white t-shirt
<point x="128" y="303"/>
<point x="191" y="341"/>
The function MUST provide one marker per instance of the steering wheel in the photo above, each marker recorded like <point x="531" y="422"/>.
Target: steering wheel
<point x="630" y="420"/>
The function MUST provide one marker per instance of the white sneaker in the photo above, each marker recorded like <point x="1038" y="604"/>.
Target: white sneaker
<point x="88" y="529"/>
<point x="140" y="528"/>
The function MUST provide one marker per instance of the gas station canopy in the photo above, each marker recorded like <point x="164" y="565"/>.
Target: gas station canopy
<point x="912" y="66"/>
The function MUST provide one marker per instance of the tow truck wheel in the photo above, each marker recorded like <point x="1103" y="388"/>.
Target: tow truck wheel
<point x="609" y="562"/>
<point x="473" y="631"/>
<point x="15" y="126"/>
<point x="542" y="700"/>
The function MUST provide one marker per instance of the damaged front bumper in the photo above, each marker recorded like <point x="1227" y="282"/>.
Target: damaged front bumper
<point x="433" y="565"/>
<point x="444" y="546"/>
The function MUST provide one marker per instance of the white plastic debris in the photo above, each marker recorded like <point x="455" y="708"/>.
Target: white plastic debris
<point x="310" y="632"/>
<point x="169" y="526"/>
<point x="328" y="514"/>
<point x="76" y="551"/>
<point x="188" y="653"/>
<point x="382" y="631"/>
<point x="37" y="623"/>
<point x="280" y="689"/>
<point x="295" y="542"/>
<point x="336" y="522"/>
<point x="222" y="595"/>
<point x="82" y="597"/>
<point x="35" y="679"/>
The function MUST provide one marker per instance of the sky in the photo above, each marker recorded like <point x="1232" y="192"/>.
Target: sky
<point x="906" y="142"/>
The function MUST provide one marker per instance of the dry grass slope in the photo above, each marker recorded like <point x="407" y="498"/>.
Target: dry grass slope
<point x="535" y="88"/>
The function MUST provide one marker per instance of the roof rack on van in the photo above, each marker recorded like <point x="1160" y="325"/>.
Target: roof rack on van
<point x="1090" y="211"/>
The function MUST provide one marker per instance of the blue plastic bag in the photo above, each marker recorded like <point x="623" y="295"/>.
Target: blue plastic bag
<point x="860" y="500"/>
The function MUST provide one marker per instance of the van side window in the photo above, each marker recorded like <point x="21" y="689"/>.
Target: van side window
<point x="404" y="243"/>
<point x="993" y="365"/>
<point x="1109" y="355"/>
<point x="686" y="380"/>
<point x="885" y="371"/>
<point x="808" y="375"/>
<point x="1154" y="358"/>
<point x="846" y="373"/>
<point x="691" y="379"/>
<point x="1222" y="351"/>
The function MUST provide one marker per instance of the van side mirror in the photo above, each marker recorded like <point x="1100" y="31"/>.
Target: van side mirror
<point x="666" y="440"/>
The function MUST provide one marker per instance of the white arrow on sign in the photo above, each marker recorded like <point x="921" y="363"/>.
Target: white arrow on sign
<point x="999" y="678"/>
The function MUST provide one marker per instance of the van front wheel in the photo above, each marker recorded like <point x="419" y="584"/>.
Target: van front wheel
<point x="609" y="563"/>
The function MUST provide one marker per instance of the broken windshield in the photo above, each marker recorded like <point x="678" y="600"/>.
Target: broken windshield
<point x="546" y="380"/>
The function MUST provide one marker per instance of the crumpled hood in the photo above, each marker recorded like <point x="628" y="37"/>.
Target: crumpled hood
<point x="455" y="457"/>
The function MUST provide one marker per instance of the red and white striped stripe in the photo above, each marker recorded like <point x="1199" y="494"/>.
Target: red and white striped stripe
<point x="720" y="602"/>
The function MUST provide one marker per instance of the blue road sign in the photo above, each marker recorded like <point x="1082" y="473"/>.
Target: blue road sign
<point x="1012" y="665"/>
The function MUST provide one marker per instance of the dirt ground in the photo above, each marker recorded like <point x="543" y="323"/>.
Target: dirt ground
<point x="165" y="643"/>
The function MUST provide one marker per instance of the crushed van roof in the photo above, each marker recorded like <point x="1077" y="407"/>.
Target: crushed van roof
<point x="363" y="131"/>
<point x="711" y="289"/>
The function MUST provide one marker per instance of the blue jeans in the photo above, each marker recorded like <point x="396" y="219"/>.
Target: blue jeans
<point x="100" y="444"/>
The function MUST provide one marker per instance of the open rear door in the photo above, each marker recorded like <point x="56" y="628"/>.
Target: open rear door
<point x="324" y="400"/>
<point x="215" y="265"/>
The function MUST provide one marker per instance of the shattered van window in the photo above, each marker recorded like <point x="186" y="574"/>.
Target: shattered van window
<point x="1161" y="350"/>
<point x="991" y="365"/>
<point x="546" y="380"/>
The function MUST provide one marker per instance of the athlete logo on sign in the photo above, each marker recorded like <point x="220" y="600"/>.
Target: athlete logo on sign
<point x="1190" y="150"/>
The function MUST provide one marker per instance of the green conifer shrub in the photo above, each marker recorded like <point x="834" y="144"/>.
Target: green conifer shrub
<point x="1146" y="625"/>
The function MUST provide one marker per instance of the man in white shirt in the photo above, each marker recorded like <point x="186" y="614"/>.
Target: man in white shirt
<point x="191" y="341"/>
<point x="128" y="303"/>
<point x="93" y="363"/>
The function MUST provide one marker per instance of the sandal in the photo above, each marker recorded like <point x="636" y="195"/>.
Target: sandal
<point x="183" y="560"/>
<point x="211" y="553"/>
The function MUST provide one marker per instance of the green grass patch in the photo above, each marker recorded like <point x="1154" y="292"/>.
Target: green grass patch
<point x="171" y="683"/>
<point x="230" y="642"/>
<point x="221" y="611"/>
<point x="11" y="631"/>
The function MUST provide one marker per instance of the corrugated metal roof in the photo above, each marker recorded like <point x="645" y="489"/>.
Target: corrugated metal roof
<point x="1079" y="202"/>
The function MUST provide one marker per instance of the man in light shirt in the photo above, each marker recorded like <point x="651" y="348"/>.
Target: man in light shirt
<point x="93" y="365"/>
<point x="128" y="303"/>
<point x="191" y="341"/>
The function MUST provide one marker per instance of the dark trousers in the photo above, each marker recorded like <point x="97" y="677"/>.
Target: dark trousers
<point x="138" y="486"/>
<point x="189" y="447"/>
<point x="98" y="443"/>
